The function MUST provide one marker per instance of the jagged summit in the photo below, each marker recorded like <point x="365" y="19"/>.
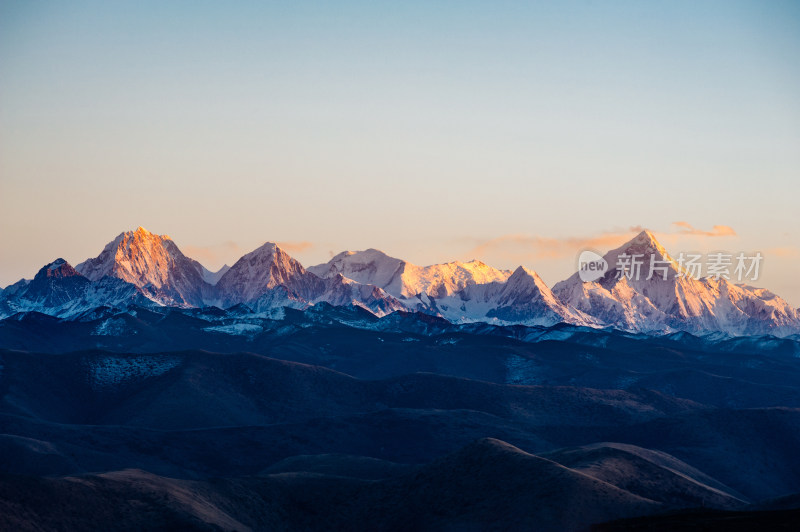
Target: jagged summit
<point x="268" y="277"/>
<point x="144" y="232"/>
<point x="151" y="262"/>
<point x="263" y="269"/>
<point x="522" y="271"/>
<point x="643" y="246"/>
<point x="646" y="289"/>
<point x="645" y="236"/>
<point x="143" y="268"/>
<point x="370" y="266"/>
<point x="56" y="263"/>
<point x="57" y="269"/>
<point x="523" y="297"/>
<point x="405" y="280"/>
<point x="60" y="290"/>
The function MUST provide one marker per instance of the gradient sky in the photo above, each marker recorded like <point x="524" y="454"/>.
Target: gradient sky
<point x="513" y="132"/>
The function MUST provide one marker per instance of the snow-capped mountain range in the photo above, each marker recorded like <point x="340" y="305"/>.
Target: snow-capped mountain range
<point x="139" y="268"/>
<point x="408" y="281"/>
<point x="672" y="300"/>
<point x="154" y="264"/>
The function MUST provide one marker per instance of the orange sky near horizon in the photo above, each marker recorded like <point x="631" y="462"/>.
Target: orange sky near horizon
<point x="516" y="133"/>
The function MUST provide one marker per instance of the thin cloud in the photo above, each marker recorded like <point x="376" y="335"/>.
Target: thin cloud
<point x="685" y="228"/>
<point x="216" y="254"/>
<point x="526" y="248"/>
<point x="521" y="248"/>
<point x="296" y="247"/>
<point x="787" y="251"/>
<point x="229" y="252"/>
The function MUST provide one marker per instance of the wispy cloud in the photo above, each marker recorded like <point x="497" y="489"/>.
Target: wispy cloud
<point x="296" y="247"/>
<point x="215" y="255"/>
<point x="685" y="228"/>
<point x="787" y="251"/>
<point x="532" y="247"/>
<point x="527" y="249"/>
<point x="228" y="252"/>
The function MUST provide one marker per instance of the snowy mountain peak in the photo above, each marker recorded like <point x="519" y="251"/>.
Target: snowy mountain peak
<point x="265" y="248"/>
<point x="142" y="268"/>
<point x="521" y="272"/>
<point x="151" y="262"/>
<point x="371" y="253"/>
<point x="477" y="264"/>
<point x="642" y="261"/>
<point x="405" y="280"/>
<point x="645" y="289"/>
<point x="267" y="252"/>
<point x="521" y="297"/>
<point x="645" y="237"/>
<point x="644" y="243"/>
<point x="262" y="270"/>
<point x="371" y="266"/>
<point x="57" y="269"/>
<point x="527" y="283"/>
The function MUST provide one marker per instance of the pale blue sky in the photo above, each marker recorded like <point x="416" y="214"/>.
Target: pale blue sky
<point x="424" y="129"/>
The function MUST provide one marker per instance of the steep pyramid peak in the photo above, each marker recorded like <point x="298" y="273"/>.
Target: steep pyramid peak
<point x="644" y="246"/>
<point x="140" y="246"/>
<point x="137" y="239"/>
<point x="522" y="272"/>
<point x="266" y="248"/>
<point x="268" y="253"/>
<point x="153" y="263"/>
<point x="526" y="279"/>
<point x="644" y="241"/>
<point x="143" y="234"/>
<point x="636" y="257"/>
<point x="263" y="269"/>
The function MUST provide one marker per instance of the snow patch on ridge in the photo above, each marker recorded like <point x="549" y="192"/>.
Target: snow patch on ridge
<point x="112" y="371"/>
<point x="110" y="327"/>
<point x="237" y="329"/>
<point x="407" y="281"/>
